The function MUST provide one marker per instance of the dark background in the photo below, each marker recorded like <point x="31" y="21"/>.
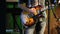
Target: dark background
<point x="2" y="16"/>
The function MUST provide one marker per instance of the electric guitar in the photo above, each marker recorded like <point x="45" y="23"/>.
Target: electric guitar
<point x="31" y="18"/>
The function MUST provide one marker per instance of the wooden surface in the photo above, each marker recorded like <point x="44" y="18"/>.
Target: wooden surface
<point x="53" y="23"/>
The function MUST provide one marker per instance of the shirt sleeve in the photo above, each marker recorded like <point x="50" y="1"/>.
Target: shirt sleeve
<point x="23" y="18"/>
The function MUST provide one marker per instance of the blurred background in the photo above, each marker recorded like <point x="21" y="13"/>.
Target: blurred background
<point x="14" y="26"/>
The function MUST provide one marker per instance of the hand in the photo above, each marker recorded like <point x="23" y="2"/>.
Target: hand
<point x="38" y="7"/>
<point x="33" y="10"/>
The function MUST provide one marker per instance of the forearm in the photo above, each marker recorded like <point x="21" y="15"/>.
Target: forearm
<point x="23" y="7"/>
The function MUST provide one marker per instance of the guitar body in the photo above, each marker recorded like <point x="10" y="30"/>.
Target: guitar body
<point x="27" y="19"/>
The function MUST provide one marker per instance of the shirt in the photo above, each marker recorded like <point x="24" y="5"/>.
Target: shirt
<point x="24" y="2"/>
<point x="30" y="3"/>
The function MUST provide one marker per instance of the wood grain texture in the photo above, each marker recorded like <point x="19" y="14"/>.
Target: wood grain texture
<point x="53" y="23"/>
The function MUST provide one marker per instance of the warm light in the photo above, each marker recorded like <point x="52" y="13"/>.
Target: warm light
<point x="59" y="1"/>
<point x="30" y="21"/>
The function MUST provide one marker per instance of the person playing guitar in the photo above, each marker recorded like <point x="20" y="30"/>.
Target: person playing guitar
<point x="29" y="9"/>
